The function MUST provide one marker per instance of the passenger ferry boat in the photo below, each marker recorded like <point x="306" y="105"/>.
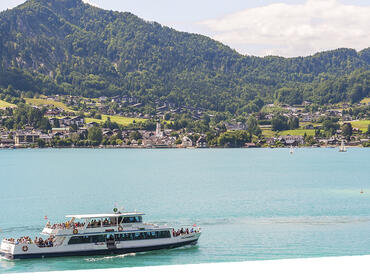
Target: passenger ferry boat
<point x="99" y="234"/>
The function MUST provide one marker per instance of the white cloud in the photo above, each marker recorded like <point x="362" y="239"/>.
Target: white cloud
<point x="293" y="30"/>
<point x="90" y="3"/>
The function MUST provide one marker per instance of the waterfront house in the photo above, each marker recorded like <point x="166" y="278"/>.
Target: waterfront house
<point x="186" y="142"/>
<point x="332" y="141"/>
<point x="62" y="132"/>
<point x="46" y="138"/>
<point x="25" y="138"/>
<point x="292" y="140"/>
<point x="250" y="145"/>
<point x="202" y="142"/>
<point x="6" y="141"/>
<point x="270" y="140"/>
<point x="149" y="142"/>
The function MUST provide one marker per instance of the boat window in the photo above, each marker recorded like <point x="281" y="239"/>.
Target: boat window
<point x="110" y="237"/>
<point x="97" y="238"/>
<point x="142" y="235"/>
<point x="94" y="224"/>
<point x="113" y="221"/>
<point x="87" y="239"/>
<point x="126" y="220"/>
<point x="79" y="240"/>
<point x="119" y="237"/>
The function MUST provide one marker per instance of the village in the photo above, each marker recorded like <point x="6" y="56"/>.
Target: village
<point x="79" y="123"/>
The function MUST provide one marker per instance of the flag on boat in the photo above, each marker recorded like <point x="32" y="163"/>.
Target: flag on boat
<point x="46" y="217"/>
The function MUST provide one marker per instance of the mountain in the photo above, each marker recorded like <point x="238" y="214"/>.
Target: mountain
<point x="69" y="47"/>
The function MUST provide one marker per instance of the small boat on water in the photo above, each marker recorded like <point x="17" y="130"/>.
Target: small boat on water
<point x="291" y="150"/>
<point x="342" y="147"/>
<point x="99" y="234"/>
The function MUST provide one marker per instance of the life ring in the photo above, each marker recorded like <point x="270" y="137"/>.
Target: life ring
<point x="75" y="231"/>
<point x="120" y="228"/>
<point x="24" y="248"/>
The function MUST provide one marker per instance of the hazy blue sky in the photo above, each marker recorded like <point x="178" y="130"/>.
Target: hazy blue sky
<point x="259" y="27"/>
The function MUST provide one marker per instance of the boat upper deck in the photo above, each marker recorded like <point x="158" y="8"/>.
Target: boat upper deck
<point x="102" y="216"/>
<point x="93" y="223"/>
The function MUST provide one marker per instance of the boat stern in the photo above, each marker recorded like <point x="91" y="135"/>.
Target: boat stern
<point x="7" y="249"/>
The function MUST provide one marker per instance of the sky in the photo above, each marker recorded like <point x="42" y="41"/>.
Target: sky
<point x="258" y="27"/>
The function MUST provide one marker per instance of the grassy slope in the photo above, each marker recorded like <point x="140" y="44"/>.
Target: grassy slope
<point x="363" y="124"/>
<point x="366" y="100"/>
<point x="117" y="119"/>
<point x="269" y="133"/>
<point x="298" y="132"/>
<point x="4" y="104"/>
<point x="40" y="102"/>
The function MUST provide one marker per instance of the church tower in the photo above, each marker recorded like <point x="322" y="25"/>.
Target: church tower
<point x="158" y="132"/>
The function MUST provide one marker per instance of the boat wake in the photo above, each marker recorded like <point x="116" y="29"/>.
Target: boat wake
<point x="187" y="247"/>
<point x="110" y="257"/>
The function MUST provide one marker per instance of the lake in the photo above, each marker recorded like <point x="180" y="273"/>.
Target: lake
<point x="252" y="204"/>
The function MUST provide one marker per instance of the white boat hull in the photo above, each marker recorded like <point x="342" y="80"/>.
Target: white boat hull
<point x="12" y="252"/>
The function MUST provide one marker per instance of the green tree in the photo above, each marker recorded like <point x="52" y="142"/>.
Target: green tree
<point x="234" y="138"/>
<point x="347" y="129"/>
<point x="167" y="116"/>
<point x="135" y="135"/>
<point x="330" y="126"/>
<point x="293" y="123"/>
<point x="252" y="126"/>
<point x="41" y="143"/>
<point x="288" y="96"/>
<point x="95" y="135"/>
<point x="279" y="123"/>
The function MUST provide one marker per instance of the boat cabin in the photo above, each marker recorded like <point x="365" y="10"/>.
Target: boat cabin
<point x="108" y="220"/>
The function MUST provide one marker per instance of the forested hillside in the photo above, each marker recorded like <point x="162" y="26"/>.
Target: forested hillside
<point x="68" y="47"/>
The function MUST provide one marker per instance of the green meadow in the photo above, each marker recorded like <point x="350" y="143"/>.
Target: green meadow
<point x="4" y="104"/>
<point x="117" y="119"/>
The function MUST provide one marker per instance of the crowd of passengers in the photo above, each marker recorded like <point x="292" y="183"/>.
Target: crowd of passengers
<point x="93" y="223"/>
<point x="65" y="225"/>
<point x="21" y="240"/>
<point x="183" y="231"/>
<point x="106" y="222"/>
<point x="27" y="240"/>
<point x="44" y="243"/>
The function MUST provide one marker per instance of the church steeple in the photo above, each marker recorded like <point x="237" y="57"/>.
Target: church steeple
<point x="158" y="132"/>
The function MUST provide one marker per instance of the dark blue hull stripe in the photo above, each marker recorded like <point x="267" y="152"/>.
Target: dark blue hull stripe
<point x="117" y="251"/>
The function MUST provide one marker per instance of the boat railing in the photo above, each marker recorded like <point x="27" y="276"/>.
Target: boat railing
<point x="186" y="231"/>
<point x="16" y="242"/>
<point x="6" y="241"/>
<point x="64" y="226"/>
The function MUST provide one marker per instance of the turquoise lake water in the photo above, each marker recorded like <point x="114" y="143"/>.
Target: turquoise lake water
<point x="257" y="204"/>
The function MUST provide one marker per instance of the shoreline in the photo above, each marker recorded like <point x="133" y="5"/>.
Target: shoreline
<point x="175" y="148"/>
